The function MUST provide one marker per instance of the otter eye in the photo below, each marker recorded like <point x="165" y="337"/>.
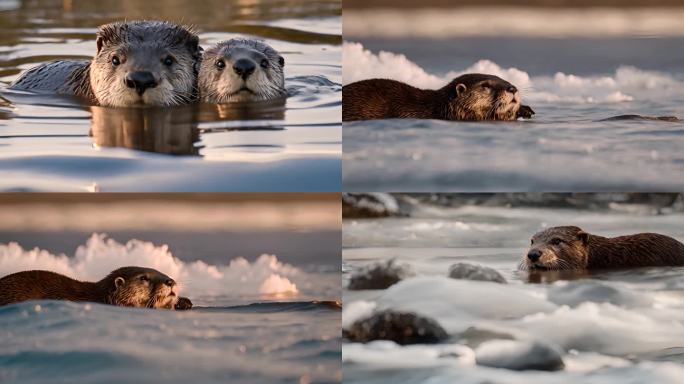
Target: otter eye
<point x="220" y="64"/>
<point x="168" y="61"/>
<point x="531" y="241"/>
<point x="144" y="278"/>
<point x="486" y="86"/>
<point x="264" y="63"/>
<point x="556" y="241"/>
<point x="116" y="61"/>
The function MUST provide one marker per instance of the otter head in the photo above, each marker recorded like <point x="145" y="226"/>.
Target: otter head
<point x="241" y="70"/>
<point x="557" y="248"/>
<point x="476" y="96"/>
<point x="141" y="287"/>
<point x="145" y="63"/>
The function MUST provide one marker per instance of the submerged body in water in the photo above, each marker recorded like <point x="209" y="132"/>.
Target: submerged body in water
<point x="471" y="96"/>
<point x="126" y="286"/>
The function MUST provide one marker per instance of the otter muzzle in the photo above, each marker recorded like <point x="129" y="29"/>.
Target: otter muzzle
<point x="141" y="81"/>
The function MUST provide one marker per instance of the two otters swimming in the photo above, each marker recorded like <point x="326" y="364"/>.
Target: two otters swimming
<point x="162" y="64"/>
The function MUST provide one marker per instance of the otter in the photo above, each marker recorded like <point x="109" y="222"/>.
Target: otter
<point x="127" y="286"/>
<point x="241" y="70"/>
<point x="137" y="63"/>
<point x="571" y="248"/>
<point x="471" y="96"/>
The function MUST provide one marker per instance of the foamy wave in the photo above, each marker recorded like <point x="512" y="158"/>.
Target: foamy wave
<point x="588" y="321"/>
<point x="625" y="84"/>
<point x="100" y="255"/>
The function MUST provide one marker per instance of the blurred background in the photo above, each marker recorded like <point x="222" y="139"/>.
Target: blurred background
<point x="301" y="228"/>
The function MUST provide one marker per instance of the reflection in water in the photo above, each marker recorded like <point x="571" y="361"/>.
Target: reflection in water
<point x="176" y="131"/>
<point x="547" y="277"/>
<point x="261" y="110"/>
<point x="170" y="131"/>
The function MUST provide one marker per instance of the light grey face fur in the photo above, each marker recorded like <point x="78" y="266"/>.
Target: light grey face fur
<point x="241" y="70"/>
<point x="168" y="54"/>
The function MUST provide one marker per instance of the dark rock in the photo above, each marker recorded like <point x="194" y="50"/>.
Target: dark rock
<point x="368" y="205"/>
<point x="401" y="327"/>
<point x="519" y="355"/>
<point x="379" y="275"/>
<point x="183" y="304"/>
<point x="467" y="271"/>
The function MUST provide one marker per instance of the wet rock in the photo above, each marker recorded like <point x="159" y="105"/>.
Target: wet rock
<point x="380" y="275"/>
<point x="183" y="304"/>
<point x="467" y="271"/>
<point x="671" y="119"/>
<point x="368" y="205"/>
<point x="401" y="327"/>
<point x="519" y="355"/>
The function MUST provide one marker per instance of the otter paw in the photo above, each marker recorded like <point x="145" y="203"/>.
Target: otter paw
<point x="525" y="112"/>
<point x="183" y="304"/>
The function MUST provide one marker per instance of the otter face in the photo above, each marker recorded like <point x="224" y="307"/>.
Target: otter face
<point x="143" y="288"/>
<point x="557" y="248"/>
<point x="241" y="70"/>
<point x="483" y="97"/>
<point x="145" y="63"/>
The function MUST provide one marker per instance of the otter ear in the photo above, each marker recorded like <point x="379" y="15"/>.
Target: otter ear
<point x="281" y="61"/>
<point x="119" y="282"/>
<point x="460" y="88"/>
<point x="100" y="42"/>
<point x="583" y="236"/>
<point x="194" y="47"/>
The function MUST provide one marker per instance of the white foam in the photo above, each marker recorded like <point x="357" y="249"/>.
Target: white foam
<point x="388" y="354"/>
<point x="606" y="328"/>
<point x="627" y="83"/>
<point x="100" y="255"/>
<point x="356" y="310"/>
<point x="458" y="304"/>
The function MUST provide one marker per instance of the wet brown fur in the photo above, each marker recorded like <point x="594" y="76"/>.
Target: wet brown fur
<point x="570" y="247"/>
<point x="468" y="97"/>
<point x="127" y="286"/>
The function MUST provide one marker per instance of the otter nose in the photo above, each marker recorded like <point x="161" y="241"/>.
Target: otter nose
<point x="512" y="89"/>
<point x="244" y="68"/>
<point x="534" y="255"/>
<point x="141" y="81"/>
<point x="170" y="282"/>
